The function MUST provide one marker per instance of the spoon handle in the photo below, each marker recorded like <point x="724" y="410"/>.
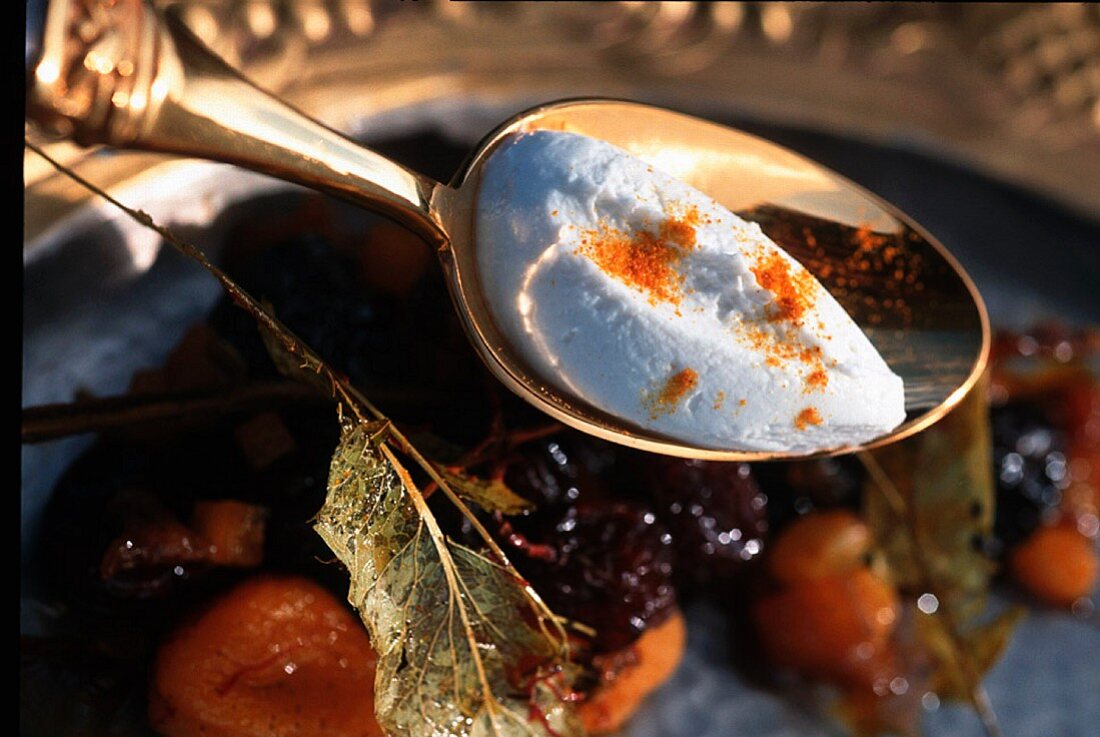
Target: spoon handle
<point x="118" y="73"/>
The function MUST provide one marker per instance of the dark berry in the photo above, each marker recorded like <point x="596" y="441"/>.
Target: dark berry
<point x="1029" y="469"/>
<point x="409" y="352"/>
<point x="555" y="472"/>
<point x="313" y="290"/>
<point x="607" y="565"/>
<point x="826" y="482"/>
<point x="716" y="515"/>
<point x="600" y="558"/>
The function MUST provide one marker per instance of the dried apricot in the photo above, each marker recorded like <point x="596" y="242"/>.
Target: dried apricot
<point x="817" y="545"/>
<point x="274" y="657"/>
<point x="233" y="530"/>
<point x="833" y="627"/>
<point x="630" y="675"/>
<point x="1056" y="564"/>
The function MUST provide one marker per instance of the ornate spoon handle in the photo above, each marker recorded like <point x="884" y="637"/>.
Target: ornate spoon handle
<point x="119" y="74"/>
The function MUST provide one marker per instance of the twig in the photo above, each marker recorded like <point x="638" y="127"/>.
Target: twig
<point x="243" y="299"/>
<point x="509" y="439"/>
<point x="98" y="414"/>
<point x="497" y="436"/>
<point x="46" y="422"/>
<point x="516" y="438"/>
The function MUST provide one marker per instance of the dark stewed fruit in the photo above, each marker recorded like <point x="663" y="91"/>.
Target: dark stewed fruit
<point x="1030" y="470"/>
<point x="409" y="350"/>
<point x="598" y="559"/>
<point x="313" y="290"/>
<point x="715" y="512"/>
<point x="611" y="569"/>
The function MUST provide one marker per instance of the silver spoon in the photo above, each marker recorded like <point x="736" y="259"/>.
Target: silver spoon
<point x="144" y="82"/>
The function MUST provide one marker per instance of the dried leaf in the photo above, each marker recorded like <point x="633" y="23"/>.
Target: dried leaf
<point x="462" y="648"/>
<point x="492" y="495"/>
<point x="928" y="500"/>
<point x="944" y="477"/>
<point x="983" y="645"/>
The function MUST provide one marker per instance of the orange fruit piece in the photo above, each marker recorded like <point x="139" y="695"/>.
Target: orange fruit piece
<point x="234" y="531"/>
<point x="1056" y="564"/>
<point x="833" y="628"/>
<point x="274" y="657"/>
<point x="818" y="545"/>
<point x="632" y="674"/>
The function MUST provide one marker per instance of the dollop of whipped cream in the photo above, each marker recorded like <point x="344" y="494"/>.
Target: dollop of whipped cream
<point x="649" y="300"/>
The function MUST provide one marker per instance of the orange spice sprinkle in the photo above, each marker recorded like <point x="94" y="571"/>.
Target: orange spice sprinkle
<point x="642" y="260"/>
<point x="782" y="344"/>
<point x="681" y="230"/>
<point x="678" y="385"/>
<point x="817" y="379"/>
<point x="810" y="355"/>
<point x="674" y="389"/>
<point x="807" y="417"/>
<point x="794" y="294"/>
<point x="742" y="403"/>
<point x="719" y="400"/>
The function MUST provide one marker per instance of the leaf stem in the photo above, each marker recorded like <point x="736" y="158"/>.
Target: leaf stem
<point x="545" y="614"/>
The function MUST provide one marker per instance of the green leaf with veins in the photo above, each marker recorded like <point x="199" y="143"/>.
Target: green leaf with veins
<point x="462" y="648"/>
<point x="492" y="495"/>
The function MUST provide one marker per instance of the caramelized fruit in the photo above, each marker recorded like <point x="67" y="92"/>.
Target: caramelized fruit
<point x="834" y="628"/>
<point x="602" y="559"/>
<point x="607" y="565"/>
<point x="818" y="545"/>
<point x="629" y="675"/>
<point x="1056" y="564"/>
<point x="829" y="616"/>
<point x="273" y="657"/>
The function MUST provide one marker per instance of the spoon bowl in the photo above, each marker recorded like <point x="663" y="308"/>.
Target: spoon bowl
<point x="904" y="290"/>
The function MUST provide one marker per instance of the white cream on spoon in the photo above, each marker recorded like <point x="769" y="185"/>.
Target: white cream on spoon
<point x="644" y="297"/>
